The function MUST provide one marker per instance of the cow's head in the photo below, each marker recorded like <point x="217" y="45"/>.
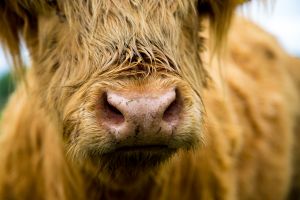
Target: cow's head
<point x="123" y="78"/>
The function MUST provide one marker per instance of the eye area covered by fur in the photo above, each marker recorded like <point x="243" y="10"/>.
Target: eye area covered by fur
<point x="99" y="34"/>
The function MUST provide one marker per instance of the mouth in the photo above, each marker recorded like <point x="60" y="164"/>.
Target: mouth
<point x="143" y="148"/>
<point x="136" y="157"/>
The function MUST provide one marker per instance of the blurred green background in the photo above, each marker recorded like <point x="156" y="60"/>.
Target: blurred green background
<point x="6" y="88"/>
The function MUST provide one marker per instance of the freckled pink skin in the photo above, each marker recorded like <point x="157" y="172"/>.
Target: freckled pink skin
<point x="144" y="115"/>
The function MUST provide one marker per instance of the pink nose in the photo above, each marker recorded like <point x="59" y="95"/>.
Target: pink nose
<point x="147" y="117"/>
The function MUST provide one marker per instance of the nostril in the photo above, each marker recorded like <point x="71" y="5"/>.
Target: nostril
<point x="111" y="113"/>
<point x="172" y="112"/>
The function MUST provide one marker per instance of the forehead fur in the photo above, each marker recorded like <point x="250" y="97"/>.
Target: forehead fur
<point x="131" y="31"/>
<point x="118" y="22"/>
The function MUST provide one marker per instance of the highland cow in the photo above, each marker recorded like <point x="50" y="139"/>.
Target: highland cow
<point x="124" y="100"/>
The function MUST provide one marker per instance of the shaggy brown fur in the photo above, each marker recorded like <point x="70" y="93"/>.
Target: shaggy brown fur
<point x="236" y="139"/>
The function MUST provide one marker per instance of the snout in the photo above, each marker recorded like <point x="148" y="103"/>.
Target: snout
<point x="141" y="120"/>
